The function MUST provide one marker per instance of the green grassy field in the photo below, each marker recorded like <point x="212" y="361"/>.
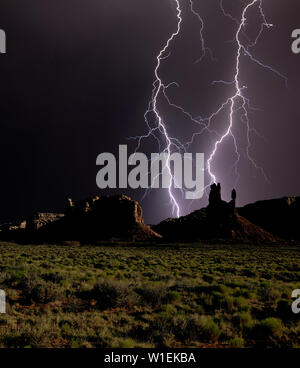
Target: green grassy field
<point x="149" y="296"/>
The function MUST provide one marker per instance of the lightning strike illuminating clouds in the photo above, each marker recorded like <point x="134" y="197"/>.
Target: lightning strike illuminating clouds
<point x="239" y="96"/>
<point x="157" y="127"/>
<point x="158" y="88"/>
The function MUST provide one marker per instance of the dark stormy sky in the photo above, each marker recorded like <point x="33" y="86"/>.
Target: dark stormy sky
<point x="77" y="78"/>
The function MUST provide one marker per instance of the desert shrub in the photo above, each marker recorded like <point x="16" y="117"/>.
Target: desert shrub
<point x="12" y="294"/>
<point x="153" y="294"/>
<point x="38" y="291"/>
<point x="54" y="277"/>
<point x="16" y="278"/>
<point x="168" y="310"/>
<point x="35" y="333"/>
<point x="237" y="342"/>
<point x="45" y="292"/>
<point x="173" y="296"/>
<point x="201" y="328"/>
<point x="243" y="320"/>
<point x="269" y="293"/>
<point x="113" y="293"/>
<point x="268" y="329"/>
<point x="161" y="330"/>
<point x="241" y="303"/>
<point x="271" y="325"/>
<point x="3" y="277"/>
<point x="286" y="292"/>
<point x="228" y="303"/>
<point x="125" y="344"/>
<point x="28" y="282"/>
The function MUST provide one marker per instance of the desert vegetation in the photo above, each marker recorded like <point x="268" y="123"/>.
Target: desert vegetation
<point x="118" y="295"/>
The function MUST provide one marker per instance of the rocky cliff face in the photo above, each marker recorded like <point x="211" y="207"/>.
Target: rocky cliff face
<point x="95" y="219"/>
<point x="278" y="216"/>
<point x="218" y="221"/>
<point x="101" y="218"/>
<point x="120" y="218"/>
<point x="13" y="226"/>
<point x="41" y="219"/>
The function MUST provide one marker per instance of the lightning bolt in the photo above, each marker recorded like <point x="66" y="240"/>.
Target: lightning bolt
<point x="202" y="40"/>
<point x="158" y="87"/>
<point x="157" y="127"/>
<point x="239" y="96"/>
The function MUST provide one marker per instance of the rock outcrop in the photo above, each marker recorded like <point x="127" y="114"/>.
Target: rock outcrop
<point x="13" y="226"/>
<point x="218" y="221"/>
<point x="101" y="218"/>
<point x="278" y="216"/>
<point x="120" y="218"/>
<point x="41" y="219"/>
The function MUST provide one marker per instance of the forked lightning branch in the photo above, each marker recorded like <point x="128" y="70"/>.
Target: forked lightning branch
<point x="237" y="101"/>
